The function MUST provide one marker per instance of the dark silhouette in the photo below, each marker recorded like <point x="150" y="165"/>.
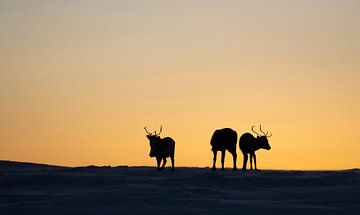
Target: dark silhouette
<point x="249" y="144"/>
<point x="161" y="148"/>
<point x="221" y="140"/>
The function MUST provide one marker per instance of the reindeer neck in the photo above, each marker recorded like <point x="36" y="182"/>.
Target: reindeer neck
<point x="257" y="144"/>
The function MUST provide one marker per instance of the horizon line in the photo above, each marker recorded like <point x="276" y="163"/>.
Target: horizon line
<point x="145" y="166"/>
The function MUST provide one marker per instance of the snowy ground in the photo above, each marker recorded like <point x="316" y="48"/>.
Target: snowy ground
<point x="40" y="189"/>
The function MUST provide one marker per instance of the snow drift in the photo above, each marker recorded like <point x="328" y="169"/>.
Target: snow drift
<point x="42" y="189"/>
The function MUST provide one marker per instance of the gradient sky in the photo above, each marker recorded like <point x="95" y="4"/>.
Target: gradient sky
<point x="80" y="79"/>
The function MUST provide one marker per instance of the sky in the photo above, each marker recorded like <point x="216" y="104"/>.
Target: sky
<point x="79" y="80"/>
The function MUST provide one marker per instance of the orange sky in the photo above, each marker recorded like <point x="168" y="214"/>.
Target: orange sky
<point x="79" y="80"/>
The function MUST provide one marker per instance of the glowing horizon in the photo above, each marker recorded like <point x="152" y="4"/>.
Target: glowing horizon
<point x="80" y="80"/>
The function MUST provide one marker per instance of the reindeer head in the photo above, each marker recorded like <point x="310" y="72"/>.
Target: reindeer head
<point x="262" y="139"/>
<point x="154" y="141"/>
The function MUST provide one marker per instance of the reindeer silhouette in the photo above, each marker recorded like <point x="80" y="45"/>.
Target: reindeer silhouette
<point x="161" y="148"/>
<point x="249" y="144"/>
<point x="221" y="140"/>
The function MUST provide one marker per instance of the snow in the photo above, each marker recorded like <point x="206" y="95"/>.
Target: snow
<point x="42" y="189"/>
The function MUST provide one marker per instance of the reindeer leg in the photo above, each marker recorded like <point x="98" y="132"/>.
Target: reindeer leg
<point x="245" y="161"/>
<point x="164" y="163"/>
<point x="158" y="160"/>
<point x="234" y="161"/>
<point x="255" y="160"/>
<point x="172" y="163"/>
<point x="222" y="159"/>
<point x="214" y="160"/>
<point x="251" y="160"/>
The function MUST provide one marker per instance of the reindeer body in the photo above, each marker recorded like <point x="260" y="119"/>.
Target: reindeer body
<point x="222" y="140"/>
<point x="163" y="147"/>
<point x="249" y="144"/>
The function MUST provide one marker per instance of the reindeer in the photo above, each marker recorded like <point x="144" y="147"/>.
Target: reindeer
<point x="161" y="148"/>
<point x="221" y="140"/>
<point x="249" y="144"/>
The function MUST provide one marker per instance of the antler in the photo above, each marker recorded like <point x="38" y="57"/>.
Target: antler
<point x="266" y="133"/>
<point x="159" y="131"/>
<point x="252" y="128"/>
<point x="147" y="131"/>
<point x="263" y="132"/>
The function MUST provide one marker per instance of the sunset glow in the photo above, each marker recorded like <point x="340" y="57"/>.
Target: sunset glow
<point x="80" y="79"/>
